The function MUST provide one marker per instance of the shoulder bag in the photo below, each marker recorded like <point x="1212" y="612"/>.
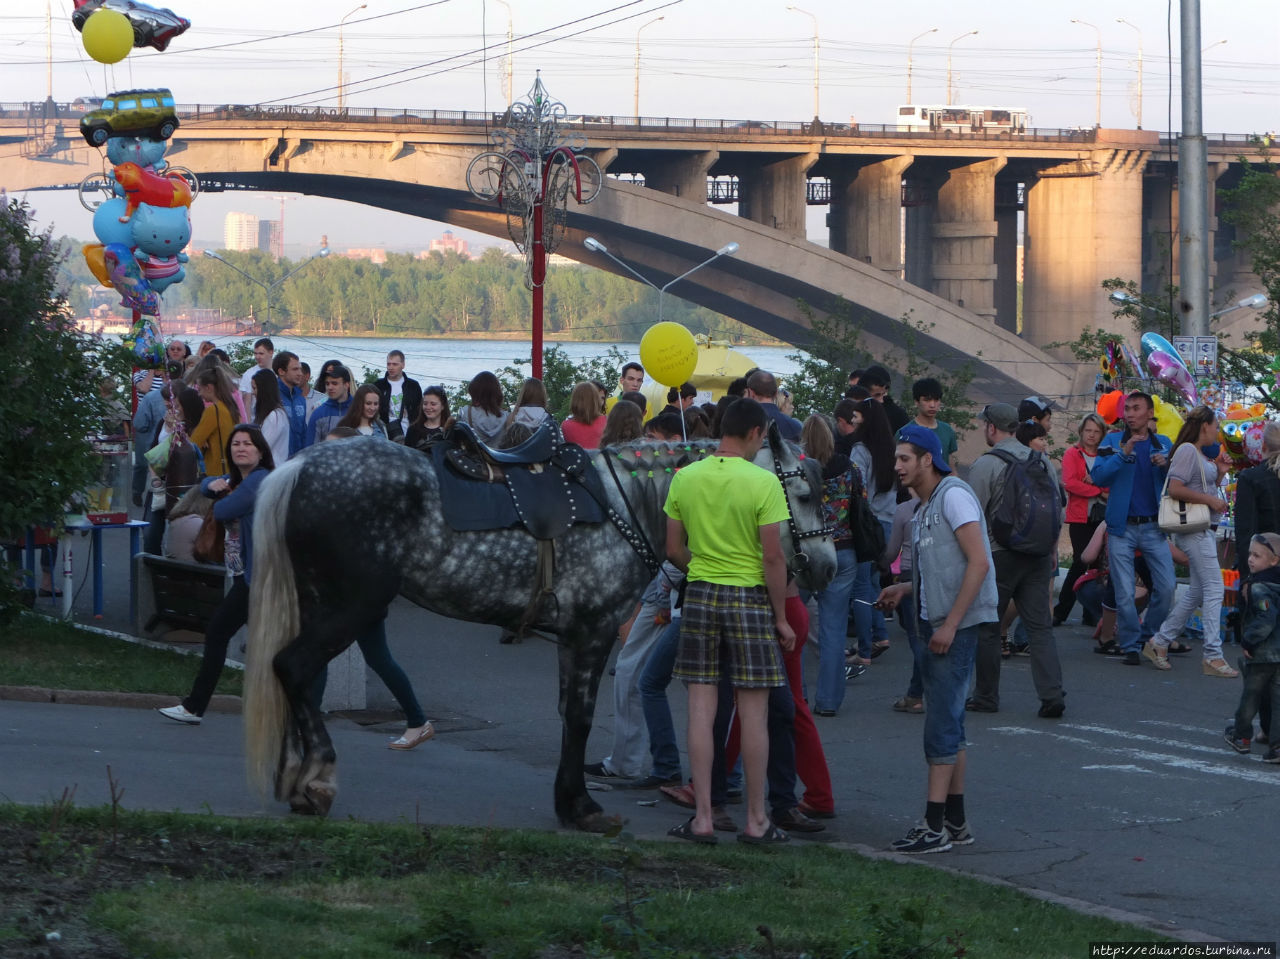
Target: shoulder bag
<point x="210" y="542"/>
<point x="1177" y="516"/>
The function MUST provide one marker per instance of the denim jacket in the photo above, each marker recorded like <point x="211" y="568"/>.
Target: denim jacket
<point x="295" y="408"/>
<point x="1261" y="636"/>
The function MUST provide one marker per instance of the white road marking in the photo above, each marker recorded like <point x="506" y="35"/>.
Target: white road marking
<point x="1261" y="776"/>
<point x="1156" y="740"/>
<point x="1125" y="768"/>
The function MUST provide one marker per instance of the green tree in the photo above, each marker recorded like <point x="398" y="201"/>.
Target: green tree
<point x="836" y="348"/>
<point x="51" y="402"/>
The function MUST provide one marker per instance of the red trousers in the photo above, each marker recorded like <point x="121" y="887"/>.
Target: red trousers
<point x="811" y="761"/>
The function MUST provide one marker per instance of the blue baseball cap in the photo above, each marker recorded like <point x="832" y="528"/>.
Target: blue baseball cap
<point x="927" y="440"/>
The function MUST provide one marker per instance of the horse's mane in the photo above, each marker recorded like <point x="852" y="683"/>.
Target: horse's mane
<point x="644" y="471"/>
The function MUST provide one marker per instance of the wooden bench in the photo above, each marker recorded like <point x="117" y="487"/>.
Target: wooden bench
<point x="175" y="593"/>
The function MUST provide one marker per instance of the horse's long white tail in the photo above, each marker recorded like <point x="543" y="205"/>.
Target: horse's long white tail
<point x="273" y="623"/>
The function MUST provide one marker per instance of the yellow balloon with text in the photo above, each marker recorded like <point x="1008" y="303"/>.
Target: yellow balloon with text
<point x="668" y="353"/>
<point x="107" y="36"/>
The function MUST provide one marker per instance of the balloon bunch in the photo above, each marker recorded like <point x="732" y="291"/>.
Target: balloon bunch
<point x="110" y="29"/>
<point x="143" y="228"/>
<point x="1110" y="407"/>
<point x="144" y="223"/>
<point x="1110" y="362"/>
<point x="1164" y="363"/>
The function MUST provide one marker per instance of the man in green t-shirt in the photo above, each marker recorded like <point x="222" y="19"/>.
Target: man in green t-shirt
<point x="927" y="394"/>
<point x="723" y="516"/>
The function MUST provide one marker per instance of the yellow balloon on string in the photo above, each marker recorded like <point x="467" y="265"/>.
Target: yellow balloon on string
<point x="668" y="353"/>
<point x="107" y="36"/>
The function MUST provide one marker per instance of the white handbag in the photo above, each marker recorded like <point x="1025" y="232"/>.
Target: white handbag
<point x="1177" y="516"/>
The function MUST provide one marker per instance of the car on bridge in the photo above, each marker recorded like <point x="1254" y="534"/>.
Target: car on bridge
<point x="136" y="113"/>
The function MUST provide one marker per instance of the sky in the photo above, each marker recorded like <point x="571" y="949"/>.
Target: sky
<point x="705" y="58"/>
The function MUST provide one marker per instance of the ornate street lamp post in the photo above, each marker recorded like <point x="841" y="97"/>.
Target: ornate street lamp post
<point x="530" y="172"/>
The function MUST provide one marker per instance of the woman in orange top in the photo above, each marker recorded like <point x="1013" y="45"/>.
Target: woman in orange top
<point x="214" y="429"/>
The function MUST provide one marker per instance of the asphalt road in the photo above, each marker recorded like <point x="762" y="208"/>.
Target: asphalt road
<point x="1132" y="800"/>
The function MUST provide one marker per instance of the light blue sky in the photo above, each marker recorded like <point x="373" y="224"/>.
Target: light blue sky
<point x="706" y="58"/>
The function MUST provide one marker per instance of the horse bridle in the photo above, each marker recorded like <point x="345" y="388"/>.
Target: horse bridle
<point x="799" y="558"/>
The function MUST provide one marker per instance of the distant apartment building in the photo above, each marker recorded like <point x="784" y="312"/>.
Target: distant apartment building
<point x="246" y="231"/>
<point x="450" y="244"/>
<point x="240" y="232"/>
<point x="374" y="254"/>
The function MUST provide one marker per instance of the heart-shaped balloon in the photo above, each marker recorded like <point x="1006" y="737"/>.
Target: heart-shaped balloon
<point x="1169" y="369"/>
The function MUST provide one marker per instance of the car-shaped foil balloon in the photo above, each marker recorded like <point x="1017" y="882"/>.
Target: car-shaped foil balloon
<point x="134" y="113"/>
<point x="152" y="26"/>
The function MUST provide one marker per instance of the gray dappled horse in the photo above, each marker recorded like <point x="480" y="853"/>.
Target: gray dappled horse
<point x="342" y="529"/>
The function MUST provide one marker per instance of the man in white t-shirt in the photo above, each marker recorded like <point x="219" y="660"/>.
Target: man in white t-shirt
<point x="264" y="352"/>
<point x="954" y="583"/>
<point x="401" y="398"/>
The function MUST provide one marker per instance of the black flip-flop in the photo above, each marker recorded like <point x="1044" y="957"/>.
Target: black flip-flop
<point x="772" y="837"/>
<point x="685" y="831"/>
<point x="877" y="649"/>
<point x="1178" y="648"/>
<point x="1109" y="648"/>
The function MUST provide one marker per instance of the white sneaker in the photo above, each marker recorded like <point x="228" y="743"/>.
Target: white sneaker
<point x="179" y="714"/>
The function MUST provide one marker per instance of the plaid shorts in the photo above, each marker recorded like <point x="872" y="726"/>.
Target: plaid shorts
<point x="727" y="631"/>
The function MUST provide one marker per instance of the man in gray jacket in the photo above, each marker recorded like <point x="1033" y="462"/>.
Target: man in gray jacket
<point x="955" y="592"/>
<point x="1021" y="578"/>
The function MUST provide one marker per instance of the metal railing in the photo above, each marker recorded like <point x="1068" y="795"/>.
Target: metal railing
<point x="425" y="118"/>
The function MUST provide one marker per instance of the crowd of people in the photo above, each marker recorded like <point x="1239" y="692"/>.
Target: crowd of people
<point x="969" y="567"/>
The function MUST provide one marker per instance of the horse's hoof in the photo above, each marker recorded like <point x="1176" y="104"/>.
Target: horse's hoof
<point x="598" y="822"/>
<point x="320" y="798"/>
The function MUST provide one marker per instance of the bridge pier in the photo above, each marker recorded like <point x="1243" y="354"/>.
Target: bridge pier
<point x="1006" y="258"/>
<point x="1084" y="225"/>
<point x="1162" y="213"/>
<point x="964" y="237"/>
<point x="680" y="174"/>
<point x="866" y="213"/>
<point x="774" y="194"/>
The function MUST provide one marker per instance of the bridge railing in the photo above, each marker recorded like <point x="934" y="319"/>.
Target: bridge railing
<point x="196" y="112"/>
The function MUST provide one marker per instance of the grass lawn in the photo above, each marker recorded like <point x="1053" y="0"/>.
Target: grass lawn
<point x="164" y="885"/>
<point x="35" y="651"/>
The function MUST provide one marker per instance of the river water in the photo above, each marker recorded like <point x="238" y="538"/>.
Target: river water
<point x="455" y="361"/>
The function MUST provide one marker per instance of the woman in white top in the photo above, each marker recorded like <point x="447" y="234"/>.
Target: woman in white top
<point x="1193" y="478"/>
<point x="269" y="414"/>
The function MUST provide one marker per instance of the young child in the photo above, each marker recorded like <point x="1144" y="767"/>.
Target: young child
<point x="1261" y="641"/>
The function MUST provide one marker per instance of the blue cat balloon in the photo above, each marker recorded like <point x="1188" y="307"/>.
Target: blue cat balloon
<point x="159" y="235"/>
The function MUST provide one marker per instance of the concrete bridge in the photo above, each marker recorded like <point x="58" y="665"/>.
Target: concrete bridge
<point x="924" y="226"/>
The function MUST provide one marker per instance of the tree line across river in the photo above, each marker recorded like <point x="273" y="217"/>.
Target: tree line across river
<point x="440" y="294"/>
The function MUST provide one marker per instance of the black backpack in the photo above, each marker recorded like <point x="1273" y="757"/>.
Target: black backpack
<point x="868" y="534"/>
<point x="1026" y="513"/>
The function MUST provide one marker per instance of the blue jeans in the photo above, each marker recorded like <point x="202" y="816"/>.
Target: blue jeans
<point x="1131" y="632"/>
<point x="946" y="683"/>
<point x="654" y="679"/>
<point x="833" y="616"/>
<point x="869" y="622"/>
<point x="910" y="625"/>
<point x="377" y="656"/>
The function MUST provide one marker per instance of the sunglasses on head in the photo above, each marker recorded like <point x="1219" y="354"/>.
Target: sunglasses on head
<point x="1262" y="541"/>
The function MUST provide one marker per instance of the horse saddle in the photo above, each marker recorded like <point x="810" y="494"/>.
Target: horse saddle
<point x="541" y="485"/>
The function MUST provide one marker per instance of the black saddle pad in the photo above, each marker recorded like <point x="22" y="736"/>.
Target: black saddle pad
<point x="546" y="502"/>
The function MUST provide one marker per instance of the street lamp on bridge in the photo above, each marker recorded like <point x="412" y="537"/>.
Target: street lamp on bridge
<point x="1098" y="83"/>
<point x="635" y="103"/>
<point x="595" y="246"/>
<point x="268" y="288"/>
<point x="910" y="44"/>
<point x="969" y="33"/>
<point x="1139" y="32"/>
<point x="816" y="57"/>
<point x="341" y="79"/>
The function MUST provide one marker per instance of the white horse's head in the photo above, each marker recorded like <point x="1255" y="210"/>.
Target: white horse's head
<point x="806" y="541"/>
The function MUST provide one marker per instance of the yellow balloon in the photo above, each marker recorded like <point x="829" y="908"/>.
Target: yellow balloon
<point x="1168" y="419"/>
<point x="93" y="256"/>
<point x="668" y="353"/>
<point x="107" y="36"/>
